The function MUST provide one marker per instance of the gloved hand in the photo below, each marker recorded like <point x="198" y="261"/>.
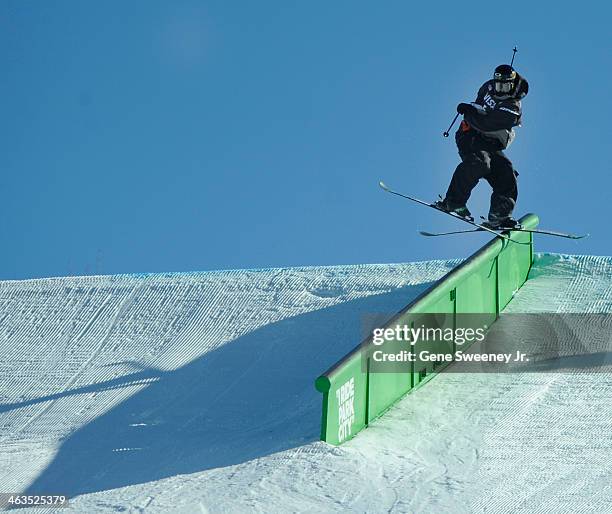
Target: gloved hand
<point x="463" y="108"/>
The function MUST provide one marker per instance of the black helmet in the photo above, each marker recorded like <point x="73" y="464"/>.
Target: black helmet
<point x="504" y="79"/>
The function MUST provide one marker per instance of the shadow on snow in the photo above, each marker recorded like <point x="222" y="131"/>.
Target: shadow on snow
<point x="249" y="398"/>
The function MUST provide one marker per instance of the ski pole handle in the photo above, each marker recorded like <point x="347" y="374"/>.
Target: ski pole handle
<point x="445" y="134"/>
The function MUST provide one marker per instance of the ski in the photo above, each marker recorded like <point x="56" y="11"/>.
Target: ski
<point x="556" y="233"/>
<point x="518" y="229"/>
<point x="450" y="232"/>
<point x="427" y="204"/>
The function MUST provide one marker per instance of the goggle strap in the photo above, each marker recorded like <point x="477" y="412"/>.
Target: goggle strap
<point x="499" y="76"/>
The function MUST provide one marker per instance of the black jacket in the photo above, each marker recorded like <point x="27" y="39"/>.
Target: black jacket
<point x="496" y="117"/>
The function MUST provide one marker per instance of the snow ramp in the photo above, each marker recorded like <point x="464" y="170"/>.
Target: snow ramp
<point x="108" y="382"/>
<point x="192" y="392"/>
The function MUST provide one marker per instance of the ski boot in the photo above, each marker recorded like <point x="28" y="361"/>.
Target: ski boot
<point x="500" y="222"/>
<point x="460" y="210"/>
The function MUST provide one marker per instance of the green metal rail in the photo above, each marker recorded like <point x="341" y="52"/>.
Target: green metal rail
<point x="354" y="395"/>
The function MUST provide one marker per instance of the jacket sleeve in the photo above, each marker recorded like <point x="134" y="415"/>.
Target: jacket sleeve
<point x="505" y="116"/>
<point x="480" y="95"/>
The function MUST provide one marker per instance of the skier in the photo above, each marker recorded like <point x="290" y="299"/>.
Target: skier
<point x="486" y="130"/>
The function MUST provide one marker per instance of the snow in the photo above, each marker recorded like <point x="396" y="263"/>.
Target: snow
<point x="195" y="393"/>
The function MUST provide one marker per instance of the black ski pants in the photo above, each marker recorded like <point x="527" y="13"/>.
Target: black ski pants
<point x="481" y="159"/>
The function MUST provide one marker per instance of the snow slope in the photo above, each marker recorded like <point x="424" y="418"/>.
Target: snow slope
<point x="194" y="393"/>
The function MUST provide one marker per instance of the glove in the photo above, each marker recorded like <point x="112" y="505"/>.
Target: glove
<point x="466" y="109"/>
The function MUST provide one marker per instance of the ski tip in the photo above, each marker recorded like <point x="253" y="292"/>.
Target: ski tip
<point x="383" y="185"/>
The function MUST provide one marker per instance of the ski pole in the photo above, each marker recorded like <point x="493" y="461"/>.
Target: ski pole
<point x="514" y="50"/>
<point x="445" y="134"/>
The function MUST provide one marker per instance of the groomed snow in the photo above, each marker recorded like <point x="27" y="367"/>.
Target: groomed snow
<point x="194" y="393"/>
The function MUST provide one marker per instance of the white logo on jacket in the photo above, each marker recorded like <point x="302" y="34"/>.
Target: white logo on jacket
<point x="489" y="102"/>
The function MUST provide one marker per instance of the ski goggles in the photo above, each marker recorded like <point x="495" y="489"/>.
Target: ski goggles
<point x="504" y="82"/>
<point x="504" y="87"/>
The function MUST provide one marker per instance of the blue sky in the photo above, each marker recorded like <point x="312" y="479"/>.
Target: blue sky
<point x="148" y="136"/>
